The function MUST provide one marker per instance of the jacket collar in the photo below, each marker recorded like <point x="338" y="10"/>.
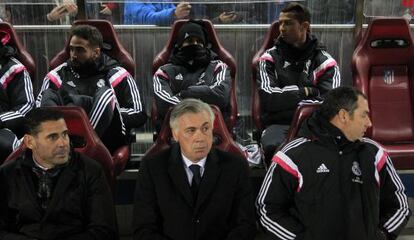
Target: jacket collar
<point x="320" y="129"/>
<point x="64" y="181"/>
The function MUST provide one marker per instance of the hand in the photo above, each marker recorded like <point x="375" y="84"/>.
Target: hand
<point x="311" y="92"/>
<point x="105" y="10"/>
<point x="182" y="10"/>
<point x="70" y="6"/>
<point x="227" y="17"/>
<point x="56" y="13"/>
<point x="66" y="99"/>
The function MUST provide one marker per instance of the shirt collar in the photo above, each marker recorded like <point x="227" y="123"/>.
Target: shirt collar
<point x="188" y="162"/>
<point x="39" y="166"/>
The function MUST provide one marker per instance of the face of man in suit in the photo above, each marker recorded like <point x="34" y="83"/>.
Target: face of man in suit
<point x="194" y="133"/>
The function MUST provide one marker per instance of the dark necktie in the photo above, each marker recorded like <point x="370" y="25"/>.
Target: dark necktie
<point x="195" y="182"/>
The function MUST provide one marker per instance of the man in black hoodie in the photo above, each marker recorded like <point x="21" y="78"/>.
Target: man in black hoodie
<point x="16" y="97"/>
<point x="294" y="71"/>
<point x="334" y="183"/>
<point x="96" y="82"/>
<point x="193" y="71"/>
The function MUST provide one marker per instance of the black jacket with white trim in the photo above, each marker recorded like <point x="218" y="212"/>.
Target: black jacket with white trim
<point x="325" y="187"/>
<point x="108" y="73"/>
<point x="284" y="71"/>
<point x="211" y="84"/>
<point x="16" y="93"/>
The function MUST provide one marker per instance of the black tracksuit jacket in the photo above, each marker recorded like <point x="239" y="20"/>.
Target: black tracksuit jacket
<point x="284" y="71"/>
<point x="16" y="93"/>
<point x="325" y="187"/>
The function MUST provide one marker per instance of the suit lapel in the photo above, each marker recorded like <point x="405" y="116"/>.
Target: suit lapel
<point x="178" y="175"/>
<point x="209" y="179"/>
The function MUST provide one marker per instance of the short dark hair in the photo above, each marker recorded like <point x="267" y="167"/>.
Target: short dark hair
<point x="87" y="32"/>
<point x="39" y="115"/>
<point x="340" y="98"/>
<point x="300" y="12"/>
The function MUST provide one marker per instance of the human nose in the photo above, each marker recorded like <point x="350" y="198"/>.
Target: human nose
<point x="63" y="141"/>
<point x="281" y="27"/>
<point x="73" y="54"/>
<point x="368" y="123"/>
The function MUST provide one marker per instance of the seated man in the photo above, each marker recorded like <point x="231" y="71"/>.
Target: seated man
<point x="97" y="83"/>
<point x="51" y="192"/>
<point x="16" y="97"/>
<point x="333" y="183"/>
<point x="295" y="71"/>
<point x="162" y="13"/>
<point x="192" y="190"/>
<point x="193" y="71"/>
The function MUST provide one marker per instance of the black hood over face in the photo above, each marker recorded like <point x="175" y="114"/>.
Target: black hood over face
<point x="294" y="54"/>
<point x="192" y="57"/>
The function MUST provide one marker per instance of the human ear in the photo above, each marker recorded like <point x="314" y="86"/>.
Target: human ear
<point x="29" y="141"/>
<point x="343" y="115"/>
<point x="174" y="133"/>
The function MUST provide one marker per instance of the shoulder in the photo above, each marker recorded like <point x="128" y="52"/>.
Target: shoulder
<point x="10" y="166"/>
<point x="158" y="159"/>
<point x="269" y="54"/>
<point x="117" y="70"/>
<point x="59" y="68"/>
<point x="373" y="146"/>
<point x="168" y="71"/>
<point x="10" y="69"/>
<point x="116" y="75"/>
<point x="323" y="56"/>
<point x="88" y="165"/>
<point x="293" y="150"/>
<point x="168" y="67"/>
<point x="229" y="159"/>
<point x="216" y="64"/>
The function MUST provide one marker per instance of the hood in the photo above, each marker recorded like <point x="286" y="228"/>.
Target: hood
<point x="106" y="63"/>
<point x="294" y="54"/>
<point x="100" y="65"/>
<point x="320" y="129"/>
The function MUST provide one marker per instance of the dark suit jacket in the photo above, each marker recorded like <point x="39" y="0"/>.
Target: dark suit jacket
<point x="164" y="207"/>
<point x="81" y="207"/>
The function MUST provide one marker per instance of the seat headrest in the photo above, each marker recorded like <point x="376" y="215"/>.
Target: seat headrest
<point x="387" y="29"/>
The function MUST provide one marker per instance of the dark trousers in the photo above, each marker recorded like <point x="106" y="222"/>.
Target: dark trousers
<point x="272" y="137"/>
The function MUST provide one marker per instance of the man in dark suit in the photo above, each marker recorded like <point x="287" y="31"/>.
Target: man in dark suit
<point x="50" y="192"/>
<point x="191" y="190"/>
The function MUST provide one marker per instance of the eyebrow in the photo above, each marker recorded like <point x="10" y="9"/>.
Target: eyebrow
<point x="56" y="133"/>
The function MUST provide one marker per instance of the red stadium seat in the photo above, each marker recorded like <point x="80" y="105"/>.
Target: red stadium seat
<point x="114" y="48"/>
<point x="223" y="139"/>
<point x="79" y="127"/>
<point x="268" y="42"/>
<point x="383" y="70"/>
<point x="163" y="56"/>
<point x="22" y="55"/>
<point x="302" y="113"/>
